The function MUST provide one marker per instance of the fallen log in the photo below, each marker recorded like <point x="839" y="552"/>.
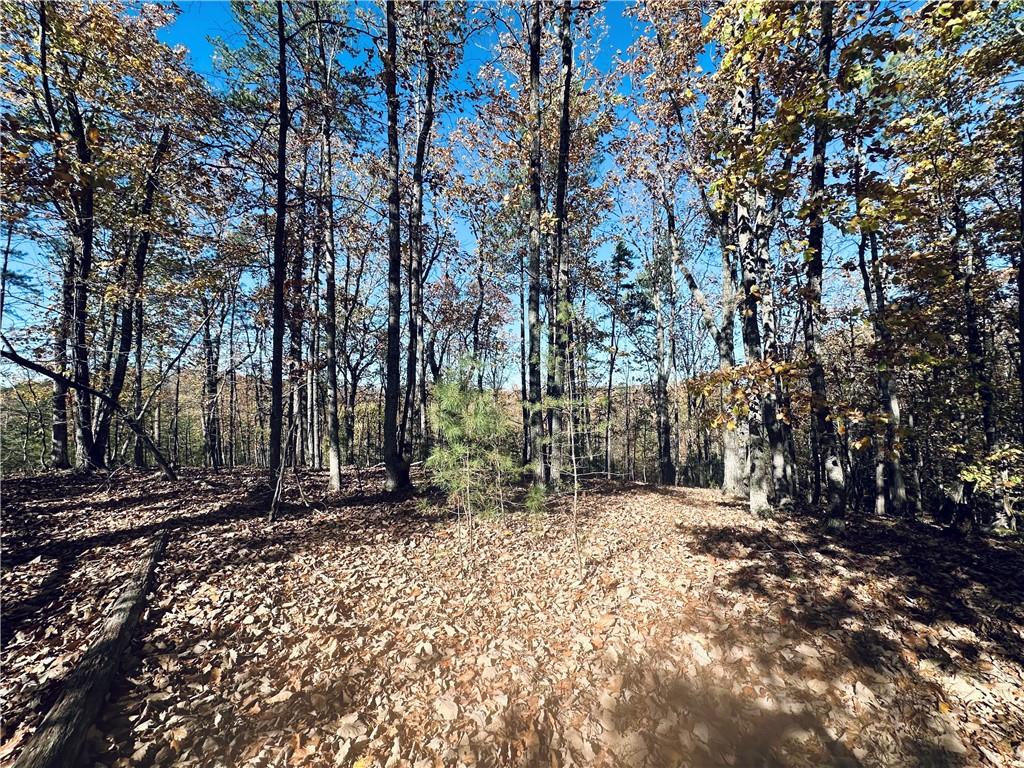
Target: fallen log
<point x="59" y="739"/>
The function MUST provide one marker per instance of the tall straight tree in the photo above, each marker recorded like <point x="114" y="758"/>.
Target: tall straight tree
<point x="827" y="467"/>
<point x="59" y="428"/>
<point x="533" y="260"/>
<point x="620" y="265"/>
<point x="416" y="234"/>
<point x="330" y="256"/>
<point x="280" y="257"/>
<point x="661" y="285"/>
<point x="560" y="275"/>
<point x="395" y="463"/>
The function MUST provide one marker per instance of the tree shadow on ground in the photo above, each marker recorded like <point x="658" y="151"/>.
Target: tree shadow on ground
<point x="656" y="720"/>
<point x="69" y="541"/>
<point x="973" y="582"/>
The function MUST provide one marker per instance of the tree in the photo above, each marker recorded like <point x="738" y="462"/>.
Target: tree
<point x="471" y="460"/>
<point x="533" y="261"/>
<point x="396" y="464"/>
<point x="560" y="273"/>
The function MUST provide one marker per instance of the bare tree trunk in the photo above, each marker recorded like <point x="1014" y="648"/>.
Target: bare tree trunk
<point x="211" y="395"/>
<point x="331" y="289"/>
<point x="296" y="448"/>
<point x="560" y="282"/>
<point x="4" y="271"/>
<point x="313" y="398"/>
<point x="666" y="469"/>
<point x="231" y="457"/>
<point x="1020" y="282"/>
<point x="478" y="311"/>
<point x="418" y="242"/>
<point x="59" y="428"/>
<point x="351" y="396"/>
<point x="629" y="438"/>
<point x="533" y="266"/>
<point x="395" y="463"/>
<point x="139" y="452"/>
<point x="523" y="364"/>
<point x="824" y="441"/>
<point x="176" y="418"/>
<point x="758" y="454"/>
<point x="280" y="264"/>
<point x="612" y="355"/>
<point x="331" y="323"/>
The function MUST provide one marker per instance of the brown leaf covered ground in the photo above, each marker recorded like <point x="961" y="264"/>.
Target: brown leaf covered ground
<point x="373" y="631"/>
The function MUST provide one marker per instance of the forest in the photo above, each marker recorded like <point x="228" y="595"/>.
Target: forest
<point x="512" y="382"/>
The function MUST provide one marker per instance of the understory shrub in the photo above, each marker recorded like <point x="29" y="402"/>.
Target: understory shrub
<point x="471" y="460"/>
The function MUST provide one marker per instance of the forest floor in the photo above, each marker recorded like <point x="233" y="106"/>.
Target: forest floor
<point x="664" y="627"/>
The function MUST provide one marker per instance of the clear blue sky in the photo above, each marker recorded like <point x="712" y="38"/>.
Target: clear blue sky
<point x="198" y="21"/>
<point x="202" y="19"/>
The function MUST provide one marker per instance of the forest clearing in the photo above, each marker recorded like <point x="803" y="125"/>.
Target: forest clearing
<point x="365" y="632"/>
<point x="547" y="383"/>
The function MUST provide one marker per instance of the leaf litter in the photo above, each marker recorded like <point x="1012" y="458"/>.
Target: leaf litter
<point x="369" y="631"/>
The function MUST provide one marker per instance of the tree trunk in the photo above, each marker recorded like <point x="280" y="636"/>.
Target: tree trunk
<point x="351" y="395"/>
<point x="783" y="473"/>
<point x="395" y="463"/>
<point x="130" y="301"/>
<point x="533" y="265"/>
<point x="418" y="242"/>
<point x="176" y="418"/>
<point x="231" y="455"/>
<point x="280" y="264"/>
<point x="296" y="448"/>
<point x="63" y="731"/>
<point x="1020" y="282"/>
<point x="561" y="313"/>
<point x="523" y="364"/>
<point x="211" y="395"/>
<point x="139" y="452"/>
<point x="612" y="355"/>
<point x="666" y="469"/>
<point x="824" y="440"/>
<point x="59" y="424"/>
<point x="758" y="453"/>
<point x="330" y="309"/>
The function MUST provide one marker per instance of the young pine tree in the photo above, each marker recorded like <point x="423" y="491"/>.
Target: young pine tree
<point x="473" y="459"/>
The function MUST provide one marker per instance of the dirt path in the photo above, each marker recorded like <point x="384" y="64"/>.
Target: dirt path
<point x="373" y="632"/>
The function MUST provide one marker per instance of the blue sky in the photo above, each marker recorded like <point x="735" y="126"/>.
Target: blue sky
<point x="198" y="21"/>
<point x="202" y="19"/>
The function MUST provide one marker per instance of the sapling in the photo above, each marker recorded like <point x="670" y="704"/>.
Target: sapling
<point x="471" y="459"/>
